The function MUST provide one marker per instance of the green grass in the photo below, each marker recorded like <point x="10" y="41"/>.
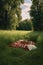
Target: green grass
<point x="14" y="32"/>
<point x="18" y="56"/>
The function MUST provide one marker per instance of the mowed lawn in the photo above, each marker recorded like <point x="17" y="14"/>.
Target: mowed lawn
<point x="15" y="32"/>
<point x="19" y="56"/>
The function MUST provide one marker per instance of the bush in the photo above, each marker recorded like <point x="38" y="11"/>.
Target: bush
<point x="25" y="25"/>
<point x="32" y="36"/>
<point x="40" y="41"/>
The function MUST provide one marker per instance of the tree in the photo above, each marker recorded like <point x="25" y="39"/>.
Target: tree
<point x="10" y="13"/>
<point x="25" y="25"/>
<point x="37" y="15"/>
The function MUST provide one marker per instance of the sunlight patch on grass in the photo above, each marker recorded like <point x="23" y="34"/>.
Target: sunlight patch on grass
<point x="14" y="32"/>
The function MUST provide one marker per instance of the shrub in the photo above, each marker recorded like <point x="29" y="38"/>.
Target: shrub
<point x="25" y="25"/>
<point x="40" y="41"/>
<point x="32" y="36"/>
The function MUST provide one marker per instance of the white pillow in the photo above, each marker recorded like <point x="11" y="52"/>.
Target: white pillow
<point x="31" y="47"/>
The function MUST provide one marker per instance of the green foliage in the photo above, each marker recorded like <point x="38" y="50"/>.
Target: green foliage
<point x="10" y="13"/>
<point x="25" y="25"/>
<point x="40" y="40"/>
<point x="32" y="36"/>
<point x="36" y="13"/>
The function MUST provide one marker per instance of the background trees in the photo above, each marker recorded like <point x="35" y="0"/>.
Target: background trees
<point x="10" y="13"/>
<point x="25" y="25"/>
<point x="36" y="13"/>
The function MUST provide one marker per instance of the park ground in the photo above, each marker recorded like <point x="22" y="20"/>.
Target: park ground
<point x="19" y="56"/>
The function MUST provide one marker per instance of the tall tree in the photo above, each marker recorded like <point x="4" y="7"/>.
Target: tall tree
<point x="36" y="13"/>
<point x="10" y="13"/>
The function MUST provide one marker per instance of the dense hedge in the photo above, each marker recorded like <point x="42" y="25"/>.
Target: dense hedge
<point x="25" y="25"/>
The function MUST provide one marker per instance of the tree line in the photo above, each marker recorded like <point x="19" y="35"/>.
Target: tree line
<point x="36" y="14"/>
<point x="10" y="15"/>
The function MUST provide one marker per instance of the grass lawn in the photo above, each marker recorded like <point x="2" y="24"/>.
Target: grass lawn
<point x="18" y="56"/>
<point x="14" y="32"/>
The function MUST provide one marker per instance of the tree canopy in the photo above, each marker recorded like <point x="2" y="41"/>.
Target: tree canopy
<point x="10" y="13"/>
<point x="25" y="25"/>
<point x="36" y="13"/>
